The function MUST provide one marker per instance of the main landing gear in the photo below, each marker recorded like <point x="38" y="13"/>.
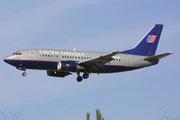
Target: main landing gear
<point x="85" y="76"/>
<point x="79" y="78"/>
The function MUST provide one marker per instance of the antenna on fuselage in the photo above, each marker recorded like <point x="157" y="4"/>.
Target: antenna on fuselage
<point x="74" y="49"/>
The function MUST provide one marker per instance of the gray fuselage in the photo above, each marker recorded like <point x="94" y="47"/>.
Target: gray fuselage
<point x="47" y="59"/>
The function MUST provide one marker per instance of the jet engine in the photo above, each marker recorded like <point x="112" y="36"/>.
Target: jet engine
<point x="68" y="66"/>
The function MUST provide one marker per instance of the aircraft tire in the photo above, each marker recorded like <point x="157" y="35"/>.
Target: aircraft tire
<point x="85" y="75"/>
<point x="24" y="74"/>
<point x="79" y="78"/>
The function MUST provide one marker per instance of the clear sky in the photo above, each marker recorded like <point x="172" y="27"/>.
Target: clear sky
<point x="90" y="25"/>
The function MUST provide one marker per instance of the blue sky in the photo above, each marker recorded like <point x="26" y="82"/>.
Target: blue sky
<point x="90" y="25"/>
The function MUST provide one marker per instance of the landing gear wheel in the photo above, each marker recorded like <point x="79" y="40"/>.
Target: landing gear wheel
<point x="24" y="74"/>
<point x="79" y="78"/>
<point x="85" y="75"/>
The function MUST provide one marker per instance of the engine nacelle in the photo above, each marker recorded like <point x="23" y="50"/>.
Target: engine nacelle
<point x="68" y="66"/>
<point x="57" y="73"/>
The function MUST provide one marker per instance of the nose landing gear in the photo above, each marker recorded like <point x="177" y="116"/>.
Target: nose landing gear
<point x="23" y="69"/>
<point x="24" y="74"/>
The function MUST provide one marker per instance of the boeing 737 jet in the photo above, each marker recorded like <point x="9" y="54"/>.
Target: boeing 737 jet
<point x="61" y="63"/>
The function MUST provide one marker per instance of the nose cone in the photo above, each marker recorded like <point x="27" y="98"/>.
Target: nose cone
<point x="7" y="60"/>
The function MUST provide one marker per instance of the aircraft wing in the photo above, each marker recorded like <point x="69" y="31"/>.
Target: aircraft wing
<point x="99" y="61"/>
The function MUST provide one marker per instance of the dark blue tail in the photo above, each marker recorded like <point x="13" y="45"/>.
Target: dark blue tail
<point x="148" y="44"/>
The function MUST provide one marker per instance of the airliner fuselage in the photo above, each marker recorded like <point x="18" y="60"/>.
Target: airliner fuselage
<point x="61" y="63"/>
<point x="49" y="60"/>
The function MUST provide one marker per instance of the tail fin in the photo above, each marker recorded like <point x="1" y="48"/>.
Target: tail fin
<point x="148" y="44"/>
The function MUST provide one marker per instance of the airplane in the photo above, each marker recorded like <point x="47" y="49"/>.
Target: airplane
<point x="61" y="63"/>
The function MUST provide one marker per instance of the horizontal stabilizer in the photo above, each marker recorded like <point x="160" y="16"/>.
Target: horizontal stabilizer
<point x="158" y="57"/>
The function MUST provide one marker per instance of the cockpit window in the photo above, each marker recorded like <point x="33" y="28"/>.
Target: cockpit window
<point x="17" y="53"/>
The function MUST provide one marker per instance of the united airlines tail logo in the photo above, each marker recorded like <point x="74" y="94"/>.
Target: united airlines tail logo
<point x="151" y="38"/>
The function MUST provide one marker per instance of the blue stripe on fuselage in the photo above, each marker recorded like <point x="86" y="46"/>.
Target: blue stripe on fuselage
<point x="34" y="64"/>
<point x="52" y="65"/>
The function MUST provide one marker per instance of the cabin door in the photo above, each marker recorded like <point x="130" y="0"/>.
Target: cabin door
<point x="31" y="54"/>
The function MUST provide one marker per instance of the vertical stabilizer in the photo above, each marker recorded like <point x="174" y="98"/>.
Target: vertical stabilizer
<point x="148" y="44"/>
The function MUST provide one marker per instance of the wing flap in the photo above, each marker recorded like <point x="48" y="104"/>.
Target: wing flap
<point x="99" y="61"/>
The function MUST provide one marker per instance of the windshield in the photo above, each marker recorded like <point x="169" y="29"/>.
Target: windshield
<point x="17" y="53"/>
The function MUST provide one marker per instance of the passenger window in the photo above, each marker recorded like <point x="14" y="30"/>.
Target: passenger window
<point x="48" y="55"/>
<point x="67" y="56"/>
<point x="57" y="56"/>
<point x="87" y="57"/>
<point x="62" y="56"/>
<point x="78" y="57"/>
<point x="75" y="57"/>
<point x="45" y="55"/>
<point x="81" y="57"/>
<point x="84" y="57"/>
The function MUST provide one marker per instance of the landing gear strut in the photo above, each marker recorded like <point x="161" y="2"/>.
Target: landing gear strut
<point x="24" y="73"/>
<point x="79" y="78"/>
